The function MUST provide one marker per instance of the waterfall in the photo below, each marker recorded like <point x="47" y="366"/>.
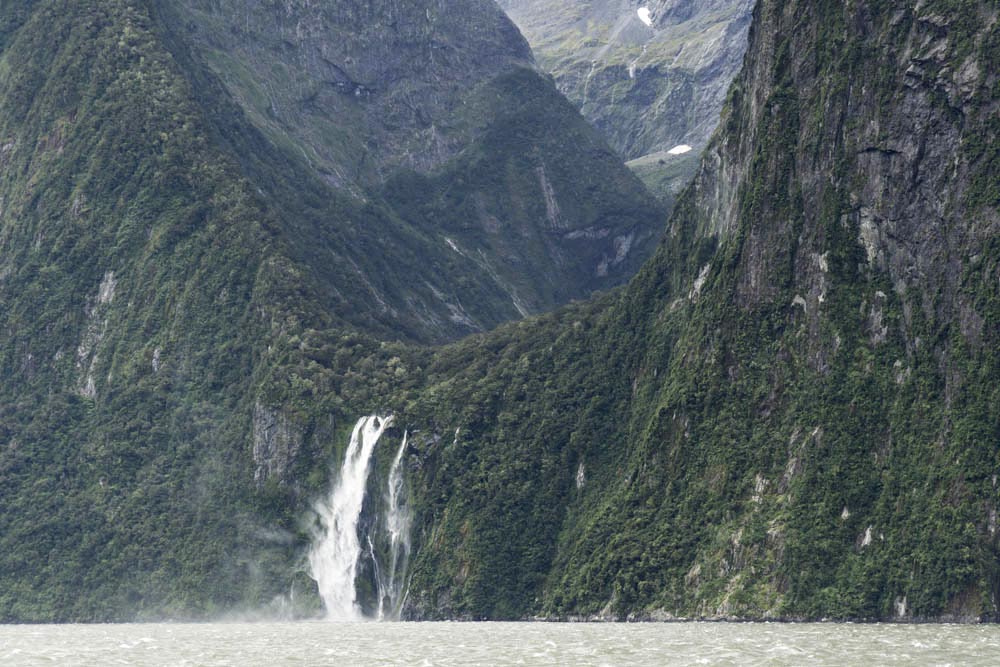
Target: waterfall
<point x="333" y="558"/>
<point x="397" y="517"/>
<point x="337" y="543"/>
<point x="586" y="83"/>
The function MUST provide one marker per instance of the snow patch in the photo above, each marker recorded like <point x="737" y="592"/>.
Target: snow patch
<point x="679" y="150"/>
<point x="581" y="476"/>
<point x="845" y="514"/>
<point x="867" y="539"/>
<point x="645" y="16"/>
<point x="451" y="244"/>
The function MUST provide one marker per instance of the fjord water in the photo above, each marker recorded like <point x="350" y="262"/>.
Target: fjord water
<point x="346" y="644"/>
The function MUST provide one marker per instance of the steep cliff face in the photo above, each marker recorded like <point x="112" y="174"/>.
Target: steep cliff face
<point x="792" y="410"/>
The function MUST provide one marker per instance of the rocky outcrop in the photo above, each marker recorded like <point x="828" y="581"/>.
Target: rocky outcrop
<point x="276" y="443"/>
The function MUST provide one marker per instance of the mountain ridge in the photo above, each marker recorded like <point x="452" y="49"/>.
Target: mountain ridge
<point x="653" y="86"/>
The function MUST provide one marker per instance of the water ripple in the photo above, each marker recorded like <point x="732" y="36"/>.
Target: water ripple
<point x="459" y="644"/>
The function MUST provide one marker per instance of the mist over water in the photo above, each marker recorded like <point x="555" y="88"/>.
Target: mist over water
<point x="641" y="644"/>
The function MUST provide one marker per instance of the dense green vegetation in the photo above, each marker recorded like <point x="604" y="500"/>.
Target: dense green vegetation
<point x="174" y="283"/>
<point x="790" y="411"/>
<point x="802" y="435"/>
<point x="113" y="203"/>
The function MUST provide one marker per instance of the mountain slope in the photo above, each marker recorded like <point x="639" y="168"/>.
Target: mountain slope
<point x="370" y="106"/>
<point x="358" y="88"/>
<point x="648" y="81"/>
<point x="647" y="87"/>
<point x="189" y="308"/>
<point x="131" y="251"/>
<point x="792" y="410"/>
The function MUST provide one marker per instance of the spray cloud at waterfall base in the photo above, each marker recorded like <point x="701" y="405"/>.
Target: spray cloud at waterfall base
<point x="362" y="523"/>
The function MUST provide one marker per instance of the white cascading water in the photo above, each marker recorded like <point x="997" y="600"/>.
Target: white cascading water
<point x="333" y="559"/>
<point x="397" y="518"/>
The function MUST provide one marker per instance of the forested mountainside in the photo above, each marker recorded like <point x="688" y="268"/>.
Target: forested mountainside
<point x="194" y="198"/>
<point x="651" y="76"/>
<point x="467" y="192"/>
<point x="791" y="411"/>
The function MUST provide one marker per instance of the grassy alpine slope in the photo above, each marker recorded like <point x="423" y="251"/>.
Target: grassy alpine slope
<point x="646" y="87"/>
<point x="792" y="411"/>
